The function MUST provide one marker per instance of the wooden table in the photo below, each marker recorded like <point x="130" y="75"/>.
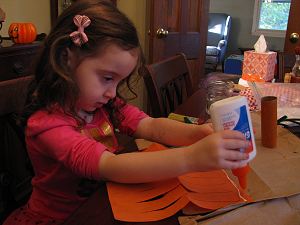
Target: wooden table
<point x="195" y="106"/>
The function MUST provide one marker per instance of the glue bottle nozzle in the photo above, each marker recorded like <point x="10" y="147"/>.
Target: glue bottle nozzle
<point x="241" y="174"/>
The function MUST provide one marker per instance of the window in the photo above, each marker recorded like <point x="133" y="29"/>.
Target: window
<point x="270" y="17"/>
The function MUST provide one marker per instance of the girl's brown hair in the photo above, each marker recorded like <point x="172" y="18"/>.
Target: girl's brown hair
<point x="53" y="83"/>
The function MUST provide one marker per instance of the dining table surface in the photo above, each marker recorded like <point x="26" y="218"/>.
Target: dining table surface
<point x="97" y="209"/>
<point x="195" y="106"/>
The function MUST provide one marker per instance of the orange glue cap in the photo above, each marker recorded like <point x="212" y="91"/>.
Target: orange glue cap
<point x="241" y="174"/>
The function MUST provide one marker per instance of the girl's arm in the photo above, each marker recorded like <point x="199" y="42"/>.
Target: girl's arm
<point x="216" y="151"/>
<point x="171" y="132"/>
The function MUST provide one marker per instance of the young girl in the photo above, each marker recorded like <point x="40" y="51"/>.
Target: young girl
<point x="74" y="109"/>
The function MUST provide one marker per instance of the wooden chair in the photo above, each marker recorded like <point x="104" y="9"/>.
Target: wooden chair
<point x="15" y="178"/>
<point x="286" y="62"/>
<point x="168" y="84"/>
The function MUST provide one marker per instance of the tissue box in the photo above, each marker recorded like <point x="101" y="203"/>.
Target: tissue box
<point x="262" y="64"/>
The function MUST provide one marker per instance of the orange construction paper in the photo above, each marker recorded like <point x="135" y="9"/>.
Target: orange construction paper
<point x="158" y="200"/>
<point x="152" y="209"/>
<point x="212" y="190"/>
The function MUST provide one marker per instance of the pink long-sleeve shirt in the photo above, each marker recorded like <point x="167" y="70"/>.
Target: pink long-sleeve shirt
<point x="63" y="156"/>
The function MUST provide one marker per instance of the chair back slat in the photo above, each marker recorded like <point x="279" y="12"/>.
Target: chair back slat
<point x="168" y="83"/>
<point x="286" y="62"/>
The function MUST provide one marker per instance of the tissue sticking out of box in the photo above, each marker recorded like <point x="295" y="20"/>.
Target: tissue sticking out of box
<point x="260" y="46"/>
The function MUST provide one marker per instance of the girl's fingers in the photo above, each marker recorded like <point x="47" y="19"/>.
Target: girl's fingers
<point x="235" y="155"/>
<point x="236" y="144"/>
<point x="234" y="164"/>
<point x="232" y="134"/>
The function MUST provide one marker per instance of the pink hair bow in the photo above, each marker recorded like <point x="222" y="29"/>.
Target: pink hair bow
<point x="79" y="37"/>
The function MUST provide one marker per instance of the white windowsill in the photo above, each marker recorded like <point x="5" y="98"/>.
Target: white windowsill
<point x="269" y="33"/>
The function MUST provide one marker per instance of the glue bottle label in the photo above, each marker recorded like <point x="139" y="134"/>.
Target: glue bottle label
<point x="238" y="120"/>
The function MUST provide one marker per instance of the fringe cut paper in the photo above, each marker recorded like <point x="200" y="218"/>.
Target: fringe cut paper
<point x="154" y="201"/>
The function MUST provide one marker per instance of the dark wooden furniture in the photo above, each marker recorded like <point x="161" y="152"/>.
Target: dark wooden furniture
<point x="17" y="60"/>
<point x="15" y="166"/>
<point x="168" y="83"/>
<point x="286" y="62"/>
<point x="186" y="23"/>
<point x="16" y="69"/>
<point x="195" y="106"/>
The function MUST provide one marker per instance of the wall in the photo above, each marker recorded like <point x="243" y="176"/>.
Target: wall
<point x="37" y="12"/>
<point x="136" y="11"/>
<point x="242" y="15"/>
<point x="26" y="11"/>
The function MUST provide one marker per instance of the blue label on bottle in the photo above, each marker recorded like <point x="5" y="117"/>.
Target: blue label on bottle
<point x="243" y="122"/>
<point x="244" y="127"/>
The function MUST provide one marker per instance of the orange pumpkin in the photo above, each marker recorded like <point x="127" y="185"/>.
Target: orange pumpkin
<point x="22" y="32"/>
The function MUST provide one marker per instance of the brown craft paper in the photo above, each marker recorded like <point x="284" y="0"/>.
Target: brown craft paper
<point x="282" y="211"/>
<point x="158" y="200"/>
<point x="273" y="183"/>
<point x="269" y="121"/>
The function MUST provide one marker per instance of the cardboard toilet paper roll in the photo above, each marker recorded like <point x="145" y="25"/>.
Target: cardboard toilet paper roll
<point x="269" y="121"/>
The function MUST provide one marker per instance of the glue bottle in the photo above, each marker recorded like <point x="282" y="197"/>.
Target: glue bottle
<point x="233" y="114"/>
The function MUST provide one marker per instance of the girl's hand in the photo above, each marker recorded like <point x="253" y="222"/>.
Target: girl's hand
<point x="219" y="150"/>
<point x="206" y="129"/>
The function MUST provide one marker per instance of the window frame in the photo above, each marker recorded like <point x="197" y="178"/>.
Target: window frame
<point x="255" y="23"/>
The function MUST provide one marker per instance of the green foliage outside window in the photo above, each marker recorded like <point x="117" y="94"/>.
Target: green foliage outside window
<point x="274" y="15"/>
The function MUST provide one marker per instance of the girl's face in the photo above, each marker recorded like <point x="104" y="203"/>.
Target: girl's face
<point x="98" y="77"/>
